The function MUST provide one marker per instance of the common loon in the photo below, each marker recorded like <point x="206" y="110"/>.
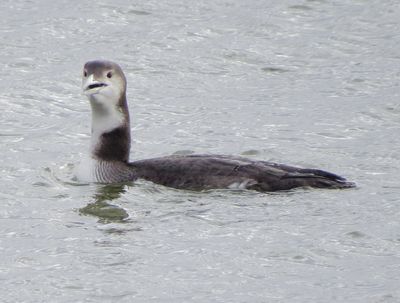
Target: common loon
<point x="104" y="84"/>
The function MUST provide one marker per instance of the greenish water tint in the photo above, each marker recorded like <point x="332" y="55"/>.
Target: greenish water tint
<point x="102" y="209"/>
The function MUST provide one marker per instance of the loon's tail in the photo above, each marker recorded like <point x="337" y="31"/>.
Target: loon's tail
<point x="317" y="178"/>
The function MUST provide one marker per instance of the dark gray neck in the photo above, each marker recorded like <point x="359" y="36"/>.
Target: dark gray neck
<point x="114" y="145"/>
<point x="111" y="134"/>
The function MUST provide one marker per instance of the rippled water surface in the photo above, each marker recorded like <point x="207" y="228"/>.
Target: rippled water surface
<point x="312" y="83"/>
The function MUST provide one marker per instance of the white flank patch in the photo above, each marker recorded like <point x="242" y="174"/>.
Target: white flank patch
<point x="240" y="185"/>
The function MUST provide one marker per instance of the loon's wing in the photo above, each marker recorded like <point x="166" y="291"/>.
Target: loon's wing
<point x="199" y="172"/>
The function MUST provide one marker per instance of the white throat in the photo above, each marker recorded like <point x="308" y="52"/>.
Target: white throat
<point x="105" y="118"/>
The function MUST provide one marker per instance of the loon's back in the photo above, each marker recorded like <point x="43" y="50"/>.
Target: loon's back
<point x="199" y="172"/>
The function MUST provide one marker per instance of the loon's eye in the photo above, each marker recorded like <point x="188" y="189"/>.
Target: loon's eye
<point x="85" y="73"/>
<point x="109" y="74"/>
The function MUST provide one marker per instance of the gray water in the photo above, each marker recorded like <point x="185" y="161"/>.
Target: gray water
<point x="313" y="83"/>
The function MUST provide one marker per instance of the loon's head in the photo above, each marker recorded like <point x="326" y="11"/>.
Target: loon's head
<point x="104" y="83"/>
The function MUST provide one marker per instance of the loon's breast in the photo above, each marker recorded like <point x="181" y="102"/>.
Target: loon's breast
<point x="83" y="171"/>
<point x="99" y="171"/>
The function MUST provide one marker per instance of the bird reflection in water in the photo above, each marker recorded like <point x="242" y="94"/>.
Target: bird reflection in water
<point x="102" y="209"/>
